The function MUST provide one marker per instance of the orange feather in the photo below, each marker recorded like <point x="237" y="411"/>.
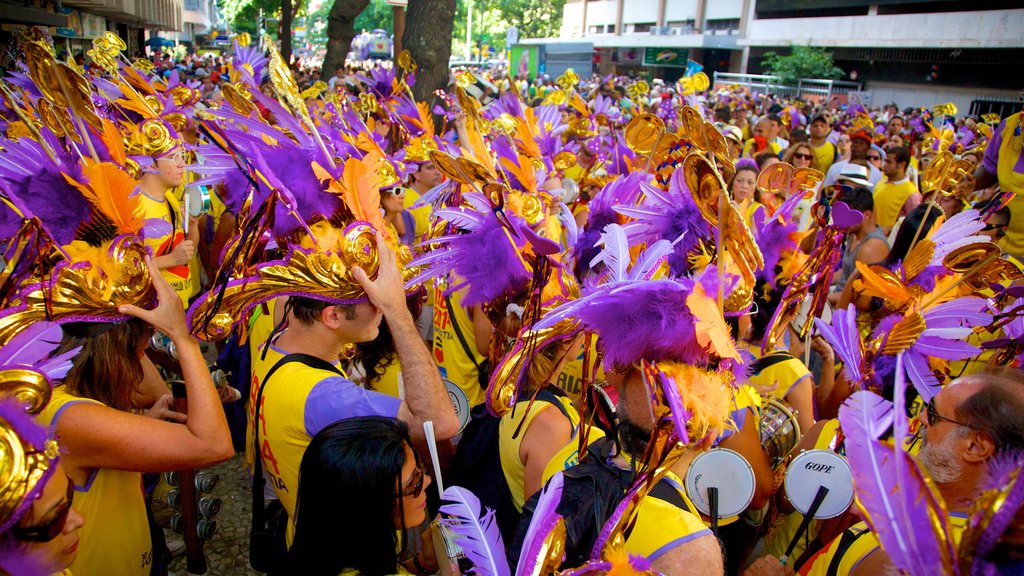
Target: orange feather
<point x="111" y="190"/>
<point x="712" y="331"/>
<point x="111" y="138"/>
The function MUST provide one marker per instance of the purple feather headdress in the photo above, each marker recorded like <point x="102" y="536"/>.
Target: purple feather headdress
<point x="623" y="191"/>
<point x="994" y="512"/>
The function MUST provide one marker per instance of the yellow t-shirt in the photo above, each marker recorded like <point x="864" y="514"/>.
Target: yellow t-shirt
<point x="421" y="215"/>
<point x="570" y="379"/>
<point x="781" y="376"/>
<point x="451" y="356"/>
<point x="162" y="230"/>
<point x="748" y="149"/>
<point x="388" y="383"/>
<point x="865" y="542"/>
<point x="889" y="200"/>
<point x="115" y="536"/>
<point x="825" y="155"/>
<point x="661" y="526"/>
<point x="508" y="446"/>
<point x="298" y="402"/>
<point x="1009" y="179"/>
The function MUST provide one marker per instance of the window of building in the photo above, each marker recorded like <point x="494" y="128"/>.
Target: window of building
<point x="596" y="29"/>
<point x="643" y="27"/>
<point x="724" y="24"/>
<point x="611" y="28"/>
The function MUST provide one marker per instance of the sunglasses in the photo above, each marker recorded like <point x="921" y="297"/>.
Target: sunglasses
<point x="802" y="156"/>
<point x="999" y="229"/>
<point x="933" y="415"/>
<point x="874" y="157"/>
<point x="51" y="529"/>
<point x="415" y="487"/>
<point x="396" y="191"/>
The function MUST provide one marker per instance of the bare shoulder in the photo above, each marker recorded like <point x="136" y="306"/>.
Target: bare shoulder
<point x="700" y="556"/>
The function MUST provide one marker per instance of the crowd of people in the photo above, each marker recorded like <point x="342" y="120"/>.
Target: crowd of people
<point x="558" y="325"/>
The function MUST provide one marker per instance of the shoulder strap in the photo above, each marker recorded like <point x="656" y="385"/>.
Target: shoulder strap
<point x="765" y="362"/>
<point x="258" y="482"/>
<point x="666" y="492"/>
<point x="458" y="332"/>
<point x="847" y="540"/>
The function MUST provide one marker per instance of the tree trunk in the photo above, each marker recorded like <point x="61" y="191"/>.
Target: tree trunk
<point x="428" y="38"/>
<point x="340" y="31"/>
<point x="284" y="32"/>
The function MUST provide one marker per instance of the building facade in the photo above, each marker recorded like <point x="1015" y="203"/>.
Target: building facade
<point x="912" y="52"/>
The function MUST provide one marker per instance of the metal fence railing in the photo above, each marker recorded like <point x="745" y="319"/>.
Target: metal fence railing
<point x="805" y="87"/>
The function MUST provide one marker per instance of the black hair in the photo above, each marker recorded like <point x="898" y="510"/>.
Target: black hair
<point x="901" y="245"/>
<point x="764" y="157"/>
<point x="900" y="154"/>
<point x="859" y="198"/>
<point x="350" y="477"/>
<point x="307" y="310"/>
<point x="377" y="354"/>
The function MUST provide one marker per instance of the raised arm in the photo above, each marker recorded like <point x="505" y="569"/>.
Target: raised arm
<point x="425" y="395"/>
<point x="96" y="436"/>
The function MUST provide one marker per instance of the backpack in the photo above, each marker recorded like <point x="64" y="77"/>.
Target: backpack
<point x="590" y="492"/>
<point x="477" y="462"/>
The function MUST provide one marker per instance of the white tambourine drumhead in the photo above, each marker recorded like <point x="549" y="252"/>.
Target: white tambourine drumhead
<point x="572" y="190"/>
<point x="199" y="200"/>
<point x="815" y="468"/>
<point x="459" y="401"/>
<point x="729" y="472"/>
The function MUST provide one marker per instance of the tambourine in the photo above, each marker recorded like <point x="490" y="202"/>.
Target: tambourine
<point x="451" y="560"/>
<point x="460" y="402"/>
<point x="198" y="200"/>
<point x="726" y="471"/>
<point x="813" y="469"/>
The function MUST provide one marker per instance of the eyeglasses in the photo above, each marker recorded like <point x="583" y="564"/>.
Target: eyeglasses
<point x="932" y="414"/>
<point x="51" y="529"/>
<point x="802" y="156"/>
<point x="415" y="487"/>
<point x="999" y="229"/>
<point x="874" y="157"/>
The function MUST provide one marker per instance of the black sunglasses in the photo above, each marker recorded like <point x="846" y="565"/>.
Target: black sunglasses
<point x="416" y="486"/>
<point x="874" y="157"/>
<point x="803" y="156"/>
<point x="51" y="529"/>
<point x="933" y="415"/>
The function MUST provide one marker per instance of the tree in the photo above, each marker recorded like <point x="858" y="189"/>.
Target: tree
<point x="802" y="62"/>
<point x="428" y="38"/>
<point x="378" y="15"/>
<point x="534" y="18"/>
<point x="340" y="31"/>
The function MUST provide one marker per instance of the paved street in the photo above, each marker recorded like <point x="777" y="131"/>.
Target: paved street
<point x="228" y="551"/>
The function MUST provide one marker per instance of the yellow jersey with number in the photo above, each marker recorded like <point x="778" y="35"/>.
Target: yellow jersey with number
<point x="115" y="536"/>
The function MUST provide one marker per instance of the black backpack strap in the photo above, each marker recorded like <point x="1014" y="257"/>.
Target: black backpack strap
<point x="666" y="492"/>
<point x="258" y="482"/>
<point x="459" y="334"/>
<point x="767" y="361"/>
<point x="847" y="540"/>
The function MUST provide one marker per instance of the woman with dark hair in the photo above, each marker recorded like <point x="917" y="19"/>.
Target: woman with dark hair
<point x="378" y="359"/>
<point x="362" y="469"/>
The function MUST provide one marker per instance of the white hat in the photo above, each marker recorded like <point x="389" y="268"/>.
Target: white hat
<point x="732" y="133"/>
<point x="855" y="174"/>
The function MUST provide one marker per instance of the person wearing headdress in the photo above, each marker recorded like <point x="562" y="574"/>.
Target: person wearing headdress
<point x="39" y="527"/>
<point x="965" y="429"/>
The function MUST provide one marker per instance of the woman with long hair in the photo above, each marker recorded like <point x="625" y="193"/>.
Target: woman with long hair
<point x="361" y="485"/>
<point x="107" y="447"/>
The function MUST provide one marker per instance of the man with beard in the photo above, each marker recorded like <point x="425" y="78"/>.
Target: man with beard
<point x="668" y="531"/>
<point x="969" y="423"/>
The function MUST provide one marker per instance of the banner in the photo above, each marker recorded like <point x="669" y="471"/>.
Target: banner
<point x="524" y="61"/>
<point x="676" y="57"/>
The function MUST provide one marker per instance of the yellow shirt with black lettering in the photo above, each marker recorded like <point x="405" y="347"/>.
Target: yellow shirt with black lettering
<point x="864" y="542"/>
<point x="162" y="230"/>
<point x="451" y="356"/>
<point x="115" y="536"/>
<point x="297" y="403"/>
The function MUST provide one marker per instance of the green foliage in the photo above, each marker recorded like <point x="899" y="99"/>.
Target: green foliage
<point x="378" y="14"/>
<point x="802" y="62"/>
<point x="533" y="18"/>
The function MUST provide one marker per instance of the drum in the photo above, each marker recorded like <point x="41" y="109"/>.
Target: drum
<point x="812" y="469"/>
<point x="723" y="469"/>
<point x="460" y="402"/>
<point x="198" y="200"/>
<point x="780" y="431"/>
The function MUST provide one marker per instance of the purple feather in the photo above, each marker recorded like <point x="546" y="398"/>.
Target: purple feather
<point x="921" y="375"/>
<point x="544" y="520"/>
<point x="481" y="541"/>
<point x="44" y="192"/>
<point x="680" y="415"/>
<point x="33" y="345"/>
<point x="1003" y="472"/>
<point x="899" y="512"/>
<point x="845" y="340"/>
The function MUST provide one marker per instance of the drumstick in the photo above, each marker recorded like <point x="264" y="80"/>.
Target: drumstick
<point x="713" y="508"/>
<point x="819" y="498"/>
<point x="188" y="211"/>
<point x="428" y="431"/>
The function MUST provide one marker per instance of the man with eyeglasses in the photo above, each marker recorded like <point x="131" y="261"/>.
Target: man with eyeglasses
<point x="897" y="195"/>
<point x="860" y="144"/>
<point x="964" y="428"/>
